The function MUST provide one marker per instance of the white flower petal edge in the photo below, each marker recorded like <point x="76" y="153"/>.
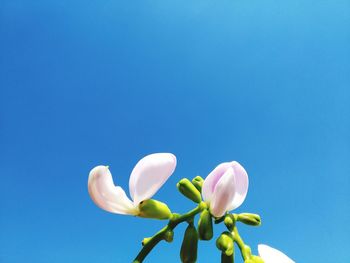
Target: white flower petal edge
<point x="272" y="255"/>
<point x="106" y="195"/>
<point x="149" y="174"/>
<point x="242" y="183"/>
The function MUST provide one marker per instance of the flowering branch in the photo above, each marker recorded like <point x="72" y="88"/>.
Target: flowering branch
<point x="162" y="234"/>
<point x="223" y="190"/>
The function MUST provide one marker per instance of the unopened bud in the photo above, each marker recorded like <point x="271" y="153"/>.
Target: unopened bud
<point x="249" y="219"/>
<point x="146" y="240"/>
<point x="198" y="182"/>
<point x="189" y="190"/>
<point x="154" y="209"/>
<point x="228" y="221"/>
<point x="205" y="226"/>
<point x="169" y="236"/>
<point x="189" y="247"/>
<point x="225" y="243"/>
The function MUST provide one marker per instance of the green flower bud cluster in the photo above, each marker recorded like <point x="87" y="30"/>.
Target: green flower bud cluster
<point x="225" y="186"/>
<point x="188" y="189"/>
<point x="203" y="230"/>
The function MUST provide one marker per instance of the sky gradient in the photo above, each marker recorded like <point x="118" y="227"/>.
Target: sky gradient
<point x="84" y="83"/>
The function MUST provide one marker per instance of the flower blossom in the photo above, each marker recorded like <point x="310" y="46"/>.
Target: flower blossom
<point x="272" y="255"/>
<point x="225" y="188"/>
<point x="148" y="175"/>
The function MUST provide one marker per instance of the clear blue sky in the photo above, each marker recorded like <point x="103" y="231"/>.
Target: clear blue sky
<point x="84" y="83"/>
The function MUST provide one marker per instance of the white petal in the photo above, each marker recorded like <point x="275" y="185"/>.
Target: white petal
<point x="106" y="195"/>
<point x="223" y="194"/>
<point x="149" y="174"/>
<point x="212" y="179"/>
<point x="272" y="255"/>
<point x="241" y="186"/>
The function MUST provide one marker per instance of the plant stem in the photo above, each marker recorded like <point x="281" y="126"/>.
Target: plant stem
<point x="231" y="226"/>
<point x="159" y="236"/>
<point x="239" y="241"/>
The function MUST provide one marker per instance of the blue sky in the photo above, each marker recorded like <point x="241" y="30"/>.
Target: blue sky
<point x="84" y="83"/>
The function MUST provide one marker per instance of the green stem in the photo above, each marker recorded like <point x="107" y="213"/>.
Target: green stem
<point x="245" y="250"/>
<point x="159" y="236"/>
<point x="239" y="241"/>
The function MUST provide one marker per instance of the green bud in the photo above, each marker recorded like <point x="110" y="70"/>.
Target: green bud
<point x="188" y="252"/>
<point x="249" y="219"/>
<point x="169" y="236"/>
<point x="205" y="226"/>
<point x="146" y="240"/>
<point x="198" y="182"/>
<point x="225" y="243"/>
<point x="189" y="190"/>
<point x="154" y="209"/>
<point x="257" y="259"/>
<point x="228" y="221"/>
<point x="226" y="259"/>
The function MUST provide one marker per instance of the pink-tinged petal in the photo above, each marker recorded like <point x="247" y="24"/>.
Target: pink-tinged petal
<point x="241" y="186"/>
<point x="212" y="179"/>
<point x="223" y="194"/>
<point x="272" y="255"/>
<point x="149" y="174"/>
<point x="106" y="195"/>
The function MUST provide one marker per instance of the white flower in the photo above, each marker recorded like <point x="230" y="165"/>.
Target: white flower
<point x="225" y="188"/>
<point x="272" y="255"/>
<point x="149" y="174"/>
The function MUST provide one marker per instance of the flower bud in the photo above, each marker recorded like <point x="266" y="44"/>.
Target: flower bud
<point x="189" y="190"/>
<point x="154" y="209"/>
<point x="146" y="240"/>
<point x="205" y="226"/>
<point x="169" y="236"/>
<point x="188" y="252"/>
<point x="198" y="182"/>
<point x="229" y="222"/>
<point x="249" y="219"/>
<point x="225" y="243"/>
<point x="226" y="259"/>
